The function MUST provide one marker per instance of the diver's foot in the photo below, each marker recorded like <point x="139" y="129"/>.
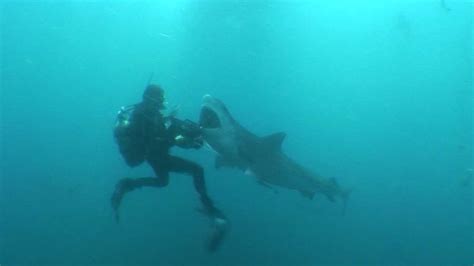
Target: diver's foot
<point x="221" y="225"/>
<point x="221" y="228"/>
<point x="115" y="202"/>
<point x="218" y="219"/>
<point x="123" y="186"/>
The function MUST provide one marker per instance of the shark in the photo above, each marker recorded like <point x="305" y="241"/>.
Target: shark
<point x="263" y="157"/>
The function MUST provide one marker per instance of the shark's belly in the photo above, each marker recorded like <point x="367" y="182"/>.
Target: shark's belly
<point x="285" y="173"/>
<point x="296" y="183"/>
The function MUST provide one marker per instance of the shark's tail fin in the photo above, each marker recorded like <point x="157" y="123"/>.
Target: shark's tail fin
<point x="345" y="193"/>
<point x="338" y="191"/>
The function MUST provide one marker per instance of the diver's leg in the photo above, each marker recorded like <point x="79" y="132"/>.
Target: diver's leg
<point x="126" y="185"/>
<point x="122" y="187"/>
<point x="221" y="225"/>
<point x="181" y="165"/>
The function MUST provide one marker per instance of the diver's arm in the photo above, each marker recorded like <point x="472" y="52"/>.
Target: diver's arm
<point x="185" y="134"/>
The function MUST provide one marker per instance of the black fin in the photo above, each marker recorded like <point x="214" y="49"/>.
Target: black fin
<point x="273" y="142"/>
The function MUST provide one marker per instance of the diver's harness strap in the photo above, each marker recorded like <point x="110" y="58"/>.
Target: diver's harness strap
<point x="123" y="115"/>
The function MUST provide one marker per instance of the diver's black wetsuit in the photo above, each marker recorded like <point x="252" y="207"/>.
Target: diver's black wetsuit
<point x="151" y="141"/>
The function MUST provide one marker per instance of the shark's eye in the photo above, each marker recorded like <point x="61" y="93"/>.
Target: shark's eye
<point x="209" y="118"/>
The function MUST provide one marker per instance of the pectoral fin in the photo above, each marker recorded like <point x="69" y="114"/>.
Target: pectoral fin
<point x="220" y="162"/>
<point x="263" y="184"/>
<point x="266" y="185"/>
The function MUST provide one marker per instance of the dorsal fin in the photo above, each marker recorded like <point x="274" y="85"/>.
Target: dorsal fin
<point x="273" y="142"/>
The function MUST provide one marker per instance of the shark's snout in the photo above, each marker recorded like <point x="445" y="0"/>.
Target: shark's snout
<point x="207" y="98"/>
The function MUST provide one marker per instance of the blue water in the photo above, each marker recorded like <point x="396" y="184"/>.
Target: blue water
<point x="375" y="93"/>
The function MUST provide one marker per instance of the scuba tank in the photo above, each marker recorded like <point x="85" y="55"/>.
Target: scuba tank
<point x="131" y="148"/>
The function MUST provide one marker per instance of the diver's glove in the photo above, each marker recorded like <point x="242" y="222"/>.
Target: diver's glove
<point x="188" y="143"/>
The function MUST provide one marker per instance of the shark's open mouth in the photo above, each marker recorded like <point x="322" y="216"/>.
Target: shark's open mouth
<point x="209" y="118"/>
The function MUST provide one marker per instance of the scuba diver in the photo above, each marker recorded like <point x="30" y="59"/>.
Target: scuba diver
<point x="144" y="134"/>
